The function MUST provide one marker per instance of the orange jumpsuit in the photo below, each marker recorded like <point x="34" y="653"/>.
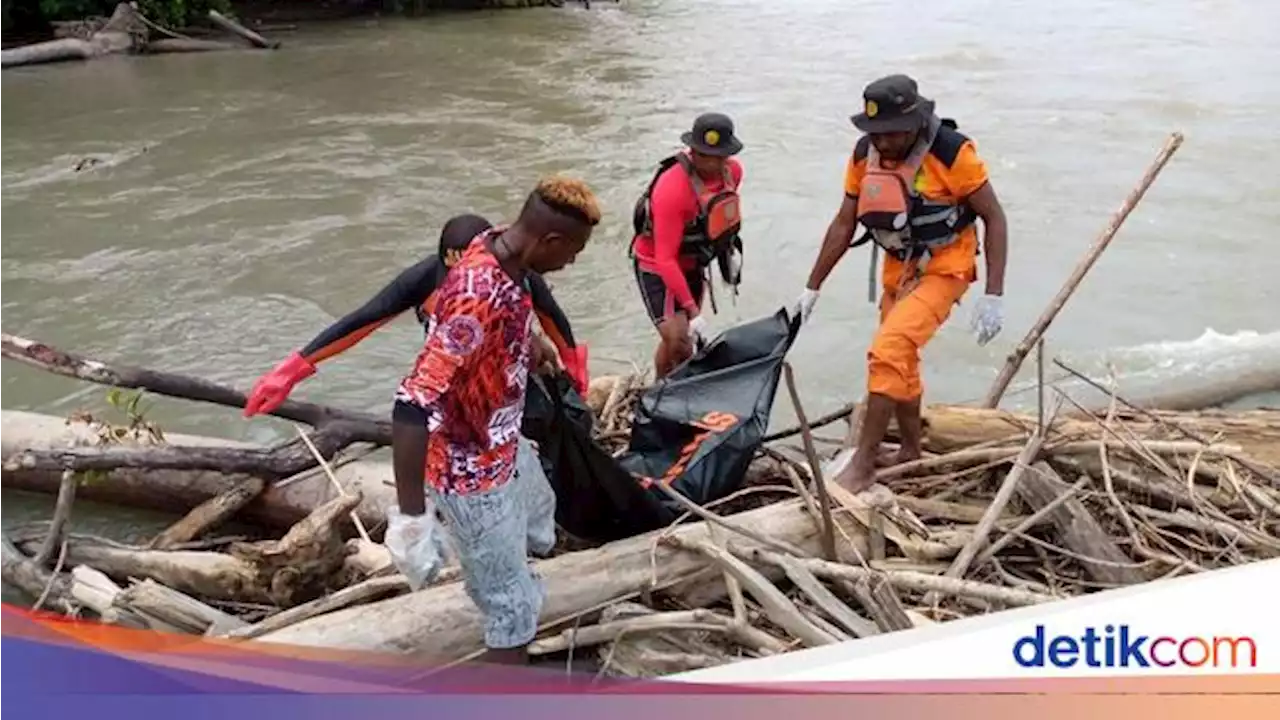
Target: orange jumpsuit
<point x="917" y="296"/>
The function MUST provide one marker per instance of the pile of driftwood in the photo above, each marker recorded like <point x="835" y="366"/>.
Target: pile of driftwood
<point x="1003" y="510"/>
<point x="129" y="31"/>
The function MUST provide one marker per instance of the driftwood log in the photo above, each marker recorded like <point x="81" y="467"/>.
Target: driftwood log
<point x="1079" y="529"/>
<point x="955" y="427"/>
<point x="209" y="514"/>
<point x="128" y="31"/>
<point x="443" y="624"/>
<point x="178" y="491"/>
<point x="948" y="429"/>
<point x="122" y="32"/>
<point x="227" y="24"/>
<point x="1150" y="498"/>
<point x="300" y="567"/>
<point x="366" y="427"/>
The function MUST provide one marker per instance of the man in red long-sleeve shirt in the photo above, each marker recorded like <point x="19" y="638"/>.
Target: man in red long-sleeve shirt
<point x="688" y="217"/>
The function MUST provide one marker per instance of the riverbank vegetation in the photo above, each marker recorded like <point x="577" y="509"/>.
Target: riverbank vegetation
<point x="35" y="20"/>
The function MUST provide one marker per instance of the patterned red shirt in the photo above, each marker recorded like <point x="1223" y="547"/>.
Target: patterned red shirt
<point x="471" y="374"/>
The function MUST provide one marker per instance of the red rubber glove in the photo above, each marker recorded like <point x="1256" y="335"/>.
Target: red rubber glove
<point x="575" y="364"/>
<point x="273" y="389"/>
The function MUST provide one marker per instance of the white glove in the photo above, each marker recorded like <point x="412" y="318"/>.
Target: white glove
<point x="698" y="330"/>
<point x="735" y="267"/>
<point x="987" y="318"/>
<point x="414" y="542"/>
<point x="804" y="306"/>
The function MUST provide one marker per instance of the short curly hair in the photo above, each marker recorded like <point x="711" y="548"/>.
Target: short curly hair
<point x="569" y="196"/>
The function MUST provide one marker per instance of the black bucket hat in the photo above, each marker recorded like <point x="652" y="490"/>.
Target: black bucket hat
<point x="712" y="134"/>
<point x="892" y="104"/>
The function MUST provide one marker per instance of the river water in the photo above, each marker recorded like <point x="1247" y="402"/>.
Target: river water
<point x="242" y="201"/>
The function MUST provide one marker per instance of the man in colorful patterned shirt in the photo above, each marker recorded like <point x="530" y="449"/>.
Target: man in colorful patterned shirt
<point x="458" y="415"/>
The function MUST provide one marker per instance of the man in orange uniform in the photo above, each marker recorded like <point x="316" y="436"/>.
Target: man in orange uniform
<point x="918" y="186"/>
<point x="686" y="218"/>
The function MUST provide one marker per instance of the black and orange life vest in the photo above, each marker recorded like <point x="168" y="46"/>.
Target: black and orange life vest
<point x="713" y="234"/>
<point x="897" y="217"/>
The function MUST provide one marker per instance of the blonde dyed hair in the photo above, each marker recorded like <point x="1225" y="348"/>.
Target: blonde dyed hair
<point x="570" y="195"/>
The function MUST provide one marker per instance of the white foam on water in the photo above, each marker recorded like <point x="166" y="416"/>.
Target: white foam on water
<point x="1172" y="365"/>
<point x="1211" y="350"/>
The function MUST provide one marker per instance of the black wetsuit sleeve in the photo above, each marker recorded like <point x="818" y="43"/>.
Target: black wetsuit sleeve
<point x="547" y="307"/>
<point x="410" y="289"/>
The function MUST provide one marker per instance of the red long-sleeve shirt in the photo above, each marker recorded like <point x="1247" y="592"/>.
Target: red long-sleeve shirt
<point x="675" y="205"/>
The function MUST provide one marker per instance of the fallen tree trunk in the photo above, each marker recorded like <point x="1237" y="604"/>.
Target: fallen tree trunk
<point x="297" y="568"/>
<point x="205" y="574"/>
<point x="279" y="461"/>
<point x="365" y="427"/>
<point x="103" y="43"/>
<point x="178" y="491"/>
<point x="121" y="33"/>
<point x="948" y="428"/>
<point x="165" y="605"/>
<point x="128" y="32"/>
<point x="235" y="28"/>
<point x="954" y="427"/>
<point x="443" y="624"/>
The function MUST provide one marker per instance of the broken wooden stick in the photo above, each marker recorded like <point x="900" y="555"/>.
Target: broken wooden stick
<point x="241" y="31"/>
<point x="61" y="516"/>
<point x="209" y="514"/>
<point x="903" y="579"/>
<point x="826" y="600"/>
<point x="815" y="467"/>
<point x="776" y="605"/>
<point x="333" y="479"/>
<point x="1033" y="336"/>
<point x="960" y="565"/>
<point x="363" y="592"/>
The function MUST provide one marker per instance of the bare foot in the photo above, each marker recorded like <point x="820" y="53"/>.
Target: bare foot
<point x="906" y="454"/>
<point x="858" y="474"/>
<point x="886" y="458"/>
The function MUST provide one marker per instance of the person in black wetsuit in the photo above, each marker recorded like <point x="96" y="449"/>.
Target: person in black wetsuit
<point x="414" y="288"/>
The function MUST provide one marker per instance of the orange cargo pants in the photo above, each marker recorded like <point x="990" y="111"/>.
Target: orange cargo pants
<point x="908" y="319"/>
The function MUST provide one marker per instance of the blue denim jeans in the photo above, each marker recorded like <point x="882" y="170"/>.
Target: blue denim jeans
<point x="494" y="532"/>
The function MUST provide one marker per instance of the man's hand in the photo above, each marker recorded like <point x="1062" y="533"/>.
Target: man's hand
<point x="804" y="306"/>
<point x="988" y="318"/>
<point x="698" y="331"/>
<point x="413" y="542"/>
<point x="545" y="358"/>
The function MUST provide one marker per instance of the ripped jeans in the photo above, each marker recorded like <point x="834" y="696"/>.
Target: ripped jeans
<point x="494" y="532"/>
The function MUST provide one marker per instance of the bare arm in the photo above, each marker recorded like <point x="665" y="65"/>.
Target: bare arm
<point x="409" y="457"/>
<point x="996" y="238"/>
<point x="836" y="242"/>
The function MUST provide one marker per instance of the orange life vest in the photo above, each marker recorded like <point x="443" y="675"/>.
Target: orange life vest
<point x="898" y="218"/>
<point x="713" y="234"/>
